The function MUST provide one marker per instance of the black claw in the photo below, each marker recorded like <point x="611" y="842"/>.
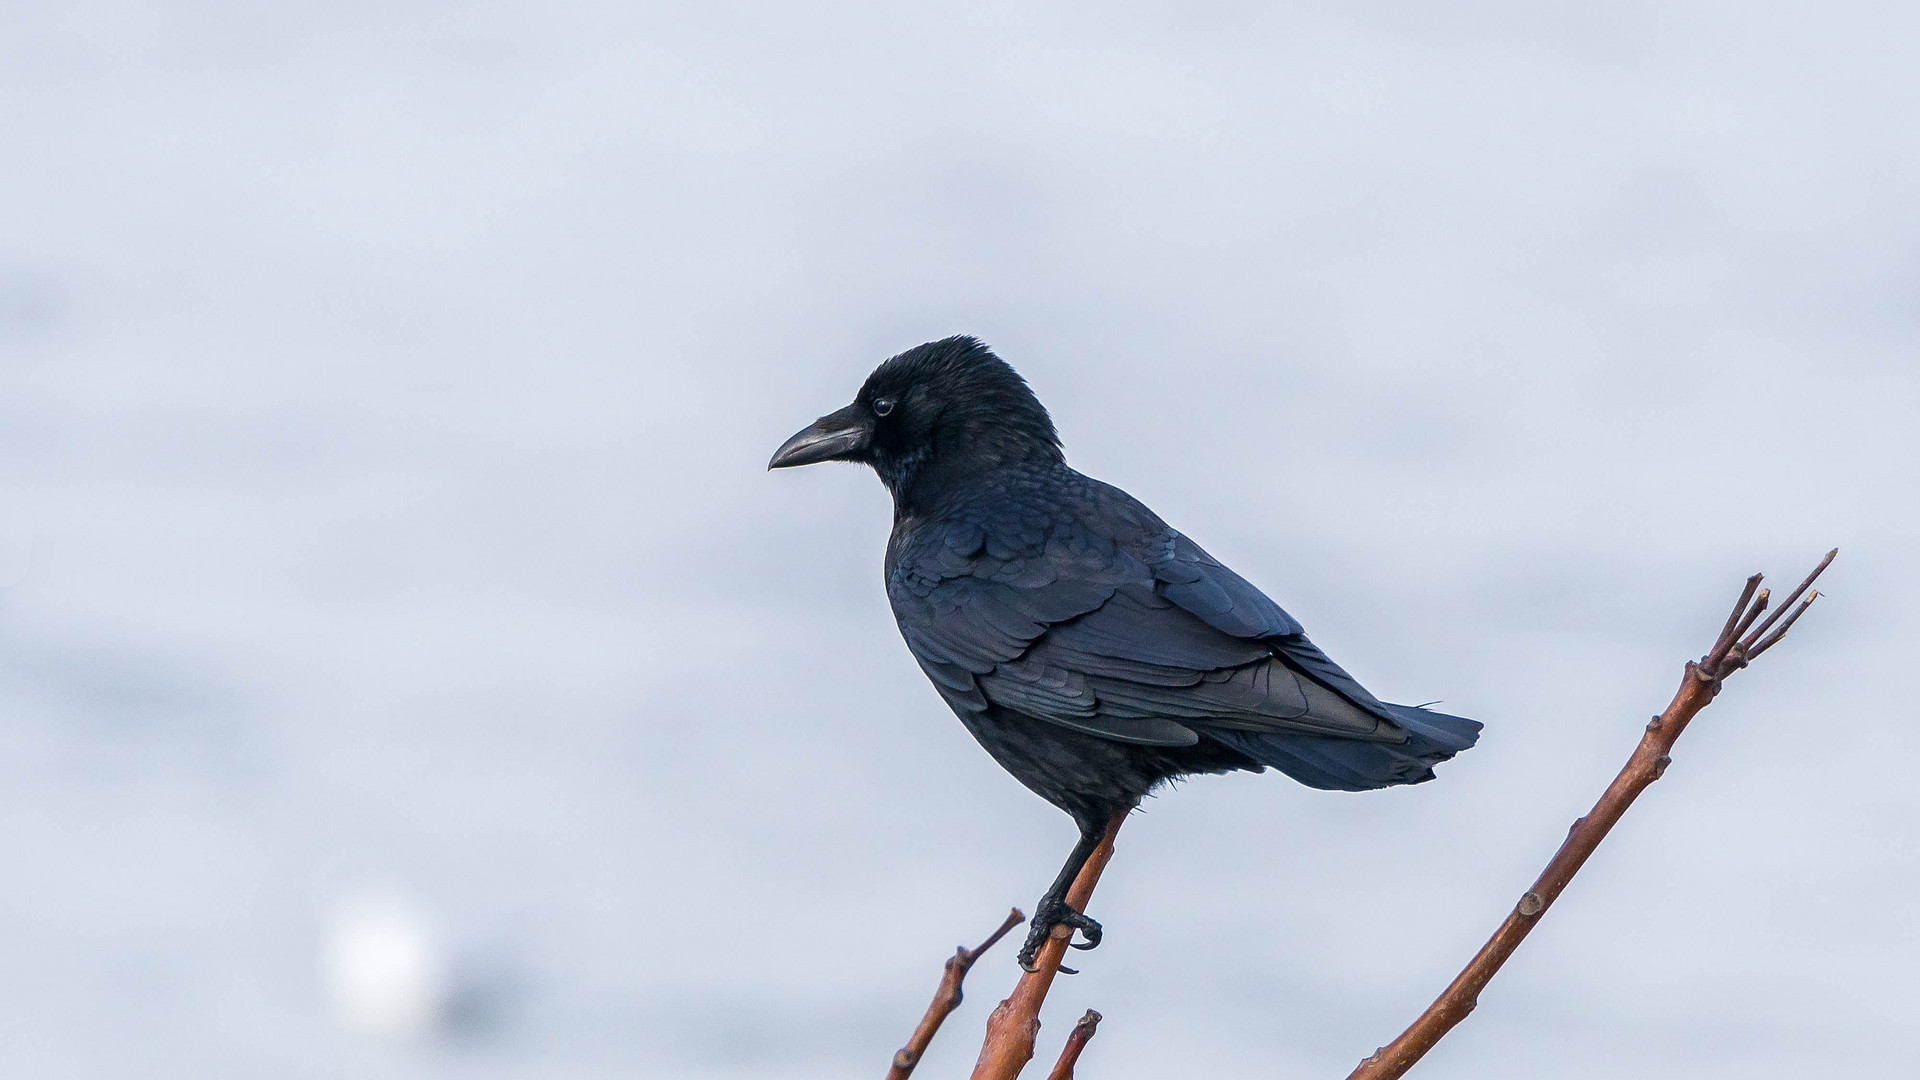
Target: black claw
<point x="1049" y="914"/>
<point x="1037" y="933"/>
<point x="1087" y="927"/>
<point x="1062" y="969"/>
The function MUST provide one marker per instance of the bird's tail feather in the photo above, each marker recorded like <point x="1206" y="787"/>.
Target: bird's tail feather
<point x="1335" y="764"/>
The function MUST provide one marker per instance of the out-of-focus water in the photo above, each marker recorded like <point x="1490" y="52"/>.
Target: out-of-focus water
<point x="385" y="392"/>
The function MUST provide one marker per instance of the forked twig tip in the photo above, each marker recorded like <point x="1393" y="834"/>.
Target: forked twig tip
<point x="1772" y="639"/>
<point x="1754" y="642"/>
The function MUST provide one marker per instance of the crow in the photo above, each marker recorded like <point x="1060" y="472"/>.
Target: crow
<point x="1095" y="652"/>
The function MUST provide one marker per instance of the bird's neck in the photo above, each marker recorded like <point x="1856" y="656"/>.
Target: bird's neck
<point x="922" y="485"/>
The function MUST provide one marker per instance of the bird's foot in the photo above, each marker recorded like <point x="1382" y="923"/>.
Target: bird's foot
<point x="1050" y="913"/>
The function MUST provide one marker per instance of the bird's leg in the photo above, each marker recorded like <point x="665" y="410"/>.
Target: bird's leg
<point x="1053" y="911"/>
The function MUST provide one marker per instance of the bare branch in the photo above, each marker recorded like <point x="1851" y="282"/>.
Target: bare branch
<point x="946" y="999"/>
<point x="1735" y="653"/>
<point x="1729" y="633"/>
<point x="1649" y="761"/>
<point x="1015" y="1024"/>
<point x="1076" y="1042"/>
<point x="1747" y="645"/>
<point x="1768" y="642"/>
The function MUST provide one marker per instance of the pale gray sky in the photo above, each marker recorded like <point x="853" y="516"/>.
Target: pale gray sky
<point x="387" y="390"/>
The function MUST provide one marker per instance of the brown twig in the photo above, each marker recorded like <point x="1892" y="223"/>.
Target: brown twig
<point x="1076" y="1042"/>
<point x="1731" y="632"/>
<point x="1650" y="759"/>
<point x="1016" y="1022"/>
<point x="1747" y="645"/>
<point x="1769" y="641"/>
<point x="946" y="999"/>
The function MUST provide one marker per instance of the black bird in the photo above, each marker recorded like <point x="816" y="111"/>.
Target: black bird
<point x="1094" y="651"/>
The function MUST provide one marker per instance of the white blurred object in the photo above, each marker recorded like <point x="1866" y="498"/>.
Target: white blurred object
<point x="383" y="966"/>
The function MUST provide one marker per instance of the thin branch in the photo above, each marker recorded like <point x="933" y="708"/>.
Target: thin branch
<point x="1730" y="633"/>
<point x="1769" y="641"/>
<point x="1747" y="646"/>
<point x="1734" y="655"/>
<point x="946" y="999"/>
<point x="1016" y="1022"/>
<point x="1076" y="1042"/>
<point x="1650" y="759"/>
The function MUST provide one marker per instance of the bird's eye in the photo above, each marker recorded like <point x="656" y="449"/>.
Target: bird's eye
<point x="883" y="406"/>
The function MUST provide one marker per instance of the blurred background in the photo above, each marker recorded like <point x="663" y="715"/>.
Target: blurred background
<point x="408" y="669"/>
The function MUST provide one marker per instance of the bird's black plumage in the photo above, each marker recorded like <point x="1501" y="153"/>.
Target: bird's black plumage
<point x="1093" y="650"/>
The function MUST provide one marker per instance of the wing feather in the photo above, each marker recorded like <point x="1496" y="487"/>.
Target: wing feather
<point x="1143" y="638"/>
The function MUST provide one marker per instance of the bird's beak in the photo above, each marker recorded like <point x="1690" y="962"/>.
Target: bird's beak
<point x="837" y="436"/>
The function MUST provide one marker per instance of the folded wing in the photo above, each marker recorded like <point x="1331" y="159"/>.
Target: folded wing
<point x="1152" y="643"/>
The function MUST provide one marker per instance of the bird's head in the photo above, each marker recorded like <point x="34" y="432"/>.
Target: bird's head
<point x="929" y="416"/>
